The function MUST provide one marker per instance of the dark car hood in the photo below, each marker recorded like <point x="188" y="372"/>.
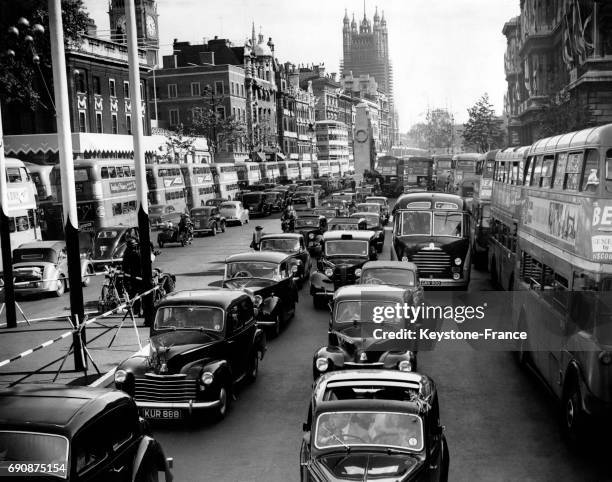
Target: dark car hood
<point x="176" y="348"/>
<point x="355" y="340"/>
<point x="367" y="465"/>
<point x="252" y="285"/>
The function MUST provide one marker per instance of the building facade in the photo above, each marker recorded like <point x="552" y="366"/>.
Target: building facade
<point x="556" y="51"/>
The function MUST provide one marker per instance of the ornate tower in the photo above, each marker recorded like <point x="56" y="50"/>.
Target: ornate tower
<point x="147" y="23"/>
<point x="346" y="37"/>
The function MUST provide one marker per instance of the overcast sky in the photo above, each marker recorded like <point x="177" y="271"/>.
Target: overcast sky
<point x="445" y="53"/>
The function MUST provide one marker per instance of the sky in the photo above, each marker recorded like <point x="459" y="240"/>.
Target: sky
<point x="445" y="53"/>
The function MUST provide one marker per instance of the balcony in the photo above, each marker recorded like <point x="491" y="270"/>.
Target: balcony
<point x="106" y="49"/>
<point x="541" y="37"/>
<point x="535" y="102"/>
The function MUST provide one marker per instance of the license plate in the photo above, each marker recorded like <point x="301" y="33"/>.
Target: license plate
<point x="161" y="413"/>
<point x="431" y="282"/>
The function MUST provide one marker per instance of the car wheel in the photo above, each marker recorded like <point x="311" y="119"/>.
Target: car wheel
<point x="574" y="417"/>
<point x="61" y="287"/>
<point x="87" y="279"/>
<point x="224" y="403"/>
<point x="253" y="368"/>
<point x="213" y="232"/>
<point x="222" y="227"/>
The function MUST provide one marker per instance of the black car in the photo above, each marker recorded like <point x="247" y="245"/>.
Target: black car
<point x="355" y="327"/>
<point x="65" y="432"/>
<point x="312" y="227"/>
<point x="374" y="425"/>
<point x="374" y="223"/>
<point x="162" y="214"/>
<point x="203" y="342"/>
<point x="257" y="203"/>
<point x="303" y="195"/>
<point x="276" y="200"/>
<point x="347" y="224"/>
<point x="217" y="201"/>
<point x="109" y="245"/>
<point x="269" y="278"/>
<point x="207" y="219"/>
<point x="292" y="244"/>
<point x="343" y="255"/>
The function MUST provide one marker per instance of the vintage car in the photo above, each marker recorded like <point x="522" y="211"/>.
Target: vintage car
<point x="42" y="267"/>
<point x="343" y="255"/>
<point x="312" y="227"/>
<point x="402" y="274"/>
<point x="369" y="208"/>
<point x="203" y="342"/>
<point x="347" y="224"/>
<point x="65" y="432"/>
<point x="207" y="219"/>
<point x="234" y="212"/>
<point x="257" y="203"/>
<point x="374" y="425"/>
<point x="109" y="245"/>
<point x="373" y="224"/>
<point x="217" y="201"/>
<point x="384" y="204"/>
<point x="294" y="245"/>
<point x="174" y="235"/>
<point x="161" y="214"/>
<point x="339" y="204"/>
<point x="353" y="327"/>
<point x="276" y="200"/>
<point x="269" y="278"/>
<point x="304" y="195"/>
<point x="327" y="212"/>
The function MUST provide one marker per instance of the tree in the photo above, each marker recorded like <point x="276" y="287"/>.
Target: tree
<point x="483" y="130"/>
<point x="178" y="143"/>
<point x="439" y="129"/>
<point x="564" y="114"/>
<point x="417" y="136"/>
<point x="20" y="77"/>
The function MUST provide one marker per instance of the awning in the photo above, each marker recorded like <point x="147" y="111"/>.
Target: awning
<point x="260" y="156"/>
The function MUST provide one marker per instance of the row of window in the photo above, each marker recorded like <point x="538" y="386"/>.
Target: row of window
<point x="172" y="195"/>
<point x="23" y="223"/>
<point x="208" y="190"/>
<point x="505" y="235"/>
<point x="201" y="170"/>
<point x="128" y="207"/>
<point x="99" y="127"/>
<point x="197" y="91"/>
<point x="81" y="86"/>
<point x="113" y="172"/>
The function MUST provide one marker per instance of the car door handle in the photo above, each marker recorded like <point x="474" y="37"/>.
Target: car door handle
<point x="118" y="470"/>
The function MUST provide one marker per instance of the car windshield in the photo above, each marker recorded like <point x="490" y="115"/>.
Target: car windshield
<point x="382" y="429"/>
<point x="380" y="202"/>
<point x="368" y="208"/>
<point x="207" y="318"/>
<point x="201" y="212"/>
<point x="360" y="311"/>
<point x="32" y="447"/>
<point x="106" y="237"/>
<point x="346" y="248"/>
<point x="344" y="227"/>
<point x="416" y="223"/>
<point x="252" y="269"/>
<point x="389" y="276"/>
<point x="299" y="222"/>
<point x="34" y="255"/>
<point x="447" y="224"/>
<point x="156" y="209"/>
<point x="326" y="212"/>
<point x="280" y="244"/>
<point x="372" y="220"/>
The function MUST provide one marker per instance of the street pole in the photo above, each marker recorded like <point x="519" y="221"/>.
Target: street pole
<point x="139" y="161"/>
<point x="71" y="223"/>
<point x="5" y="241"/>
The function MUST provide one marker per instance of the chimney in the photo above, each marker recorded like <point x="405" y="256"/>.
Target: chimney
<point x="333" y="76"/>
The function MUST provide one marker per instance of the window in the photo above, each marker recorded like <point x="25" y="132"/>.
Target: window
<point x="99" y="122"/>
<point x="174" y="117"/>
<point x="128" y="123"/>
<point x="80" y="81"/>
<point x="547" y="171"/>
<point x="104" y="172"/>
<point x="241" y="90"/>
<point x="114" y="128"/>
<point x="560" y="171"/>
<point x="590" y="177"/>
<point x="195" y="89"/>
<point x="111" y="87"/>
<point x="96" y="86"/>
<point x="537" y="171"/>
<point x="142" y="90"/>
<point x="126" y="89"/>
<point x="172" y="93"/>
<point x="82" y="121"/>
<point x="219" y="87"/>
<point x="221" y="112"/>
<point x="573" y="171"/>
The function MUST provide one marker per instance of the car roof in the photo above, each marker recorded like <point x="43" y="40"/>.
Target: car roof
<point x="370" y="405"/>
<point x="54" y="408"/>
<point x="220" y="297"/>
<point x="43" y="244"/>
<point x="344" y="220"/>
<point x="232" y="202"/>
<point x="361" y="235"/>
<point x="371" y="292"/>
<point x="391" y="264"/>
<point x="265" y="256"/>
<point x="282" y="236"/>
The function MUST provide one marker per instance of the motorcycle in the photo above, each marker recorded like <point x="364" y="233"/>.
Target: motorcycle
<point x="173" y="234"/>
<point x="288" y="225"/>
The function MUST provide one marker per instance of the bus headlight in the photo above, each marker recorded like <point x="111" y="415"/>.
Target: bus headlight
<point x="120" y="376"/>
<point x="457" y="261"/>
<point x="329" y="272"/>
<point x="322" y="364"/>
<point x="206" y="378"/>
<point x="404" y="366"/>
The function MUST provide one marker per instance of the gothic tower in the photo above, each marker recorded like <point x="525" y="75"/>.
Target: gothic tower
<point x="146" y="26"/>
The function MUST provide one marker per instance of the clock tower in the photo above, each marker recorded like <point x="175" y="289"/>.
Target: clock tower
<point x="146" y="26"/>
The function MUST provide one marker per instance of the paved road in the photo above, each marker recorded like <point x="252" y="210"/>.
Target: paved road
<point x="500" y="425"/>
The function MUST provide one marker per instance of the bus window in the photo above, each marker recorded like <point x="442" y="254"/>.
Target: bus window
<point x="119" y="171"/>
<point x="112" y="173"/>
<point x="528" y="171"/>
<point x="13" y="174"/>
<point x="104" y="172"/>
<point x="560" y="171"/>
<point x="590" y="176"/>
<point x="537" y="172"/>
<point x="573" y="171"/>
<point x="133" y="171"/>
<point x="547" y="171"/>
<point x="116" y="209"/>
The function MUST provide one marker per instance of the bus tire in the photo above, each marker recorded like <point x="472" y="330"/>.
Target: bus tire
<point x="574" y="417"/>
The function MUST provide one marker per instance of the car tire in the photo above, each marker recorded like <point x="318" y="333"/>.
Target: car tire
<point x="225" y="398"/>
<point x="213" y="231"/>
<point x="574" y="418"/>
<point x="61" y="287"/>
<point x="222" y="227"/>
<point x="87" y="279"/>
<point x="253" y="368"/>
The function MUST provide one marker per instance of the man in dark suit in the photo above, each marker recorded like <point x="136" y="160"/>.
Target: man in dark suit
<point x="257" y="235"/>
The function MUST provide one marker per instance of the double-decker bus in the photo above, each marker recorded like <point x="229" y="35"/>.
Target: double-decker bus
<point x="41" y="175"/>
<point x="200" y="185"/>
<point x="305" y="170"/>
<point x="166" y="185"/>
<point x="105" y="194"/>
<point x="334" y="168"/>
<point x="249" y="174"/>
<point x="269" y="171"/>
<point x="564" y="273"/>
<point x="320" y="169"/>
<point x="442" y="172"/>
<point x="21" y="208"/>
<point x="289" y="171"/>
<point x="480" y="207"/>
<point x="505" y="214"/>
<point x="464" y="174"/>
<point x="416" y="172"/>
<point x="225" y="177"/>
<point x="432" y="230"/>
<point x="388" y="167"/>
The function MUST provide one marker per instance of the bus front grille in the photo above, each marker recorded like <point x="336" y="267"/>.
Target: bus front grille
<point x="432" y="263"/>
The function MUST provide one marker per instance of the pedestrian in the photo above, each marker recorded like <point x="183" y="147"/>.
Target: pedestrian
<point x="132" y="270"/>
<point x="257" y="235"/>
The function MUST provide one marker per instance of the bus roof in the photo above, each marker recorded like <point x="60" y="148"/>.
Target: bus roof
<point x="430" y="200"/>
<point x="594" y="136"/>
<point x="467" y="156"/>
<point x="512" y="153"/>
<point x="14" y="162"/>
<point x="490" y="155"/>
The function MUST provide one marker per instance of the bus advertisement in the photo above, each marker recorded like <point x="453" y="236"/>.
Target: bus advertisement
<point x="200" y="185"/>
<point x="166" y="186"/>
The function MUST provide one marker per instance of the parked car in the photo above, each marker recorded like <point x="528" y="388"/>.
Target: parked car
<point x="373" y="224"/>
<point x="161" y="214"/>
<point x="347" y="224"/>
<point x="269" y="277"/>
<point x="312" y="227"/>
<point x="42" y="267"/>
<point x="109" y="245"/>
<point x="402" y="274"/>
<point x="384" y="205"/>
<point x="257" y="203"/>
<point x="374" y="425"/>
<point x="294" y="245"/>
<point x="234" y="212"/>
<point x="217" y="201"/>
<point x="343" y="255"/>
<point x="207" y="219"/>
<point x="67" y="429"/>
<point x="352" y="327"/>
<point x="203" y="343"/>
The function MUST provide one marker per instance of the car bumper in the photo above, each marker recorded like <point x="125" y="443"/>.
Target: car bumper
<point x="34" y="287"/>
<point x="191" y="406"/>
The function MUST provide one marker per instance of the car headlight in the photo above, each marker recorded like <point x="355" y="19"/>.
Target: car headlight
<point x="322" y="364"/>
<point x="357" y="272"/>
<point x="329" y="272"/>
<point x="404" y="258"/>
<point x="120" y="376"/>
<point x="311" y="236"/>
<point x="457" y="261"/>
<point x="206" y="378"/>
<point x="405" y="366"/>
